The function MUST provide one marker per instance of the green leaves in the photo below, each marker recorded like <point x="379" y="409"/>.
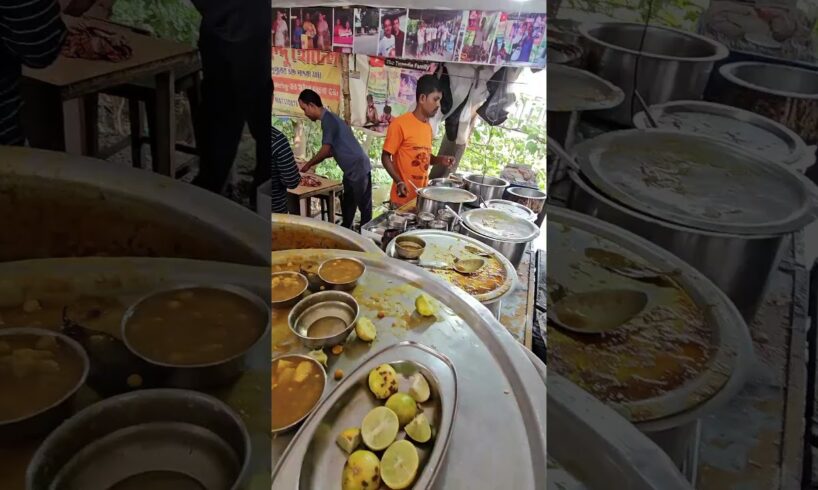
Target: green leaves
<point x="169" y="19"/>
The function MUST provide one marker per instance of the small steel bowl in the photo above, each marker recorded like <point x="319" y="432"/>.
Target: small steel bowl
<point x="345" y="286"/>
<point x="288" y="428"/>
<point x="286" y="303"/>
<point x="311" y="305"/>
<point x="404" y="252"/>
<point x="46" y="419"/>
<point x="184" y="434"/>
<point x="207" y="375"/>
<point x="310" y="271"/>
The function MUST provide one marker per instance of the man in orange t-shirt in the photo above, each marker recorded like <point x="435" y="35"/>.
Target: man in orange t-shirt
<point x="407" y="151"/>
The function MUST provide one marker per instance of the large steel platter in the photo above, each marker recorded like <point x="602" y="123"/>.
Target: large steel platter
<point x="62" y="205"/>
<point x="116" y="282"/>
<point x="692" y="346"/>
<point x="292" y="232"/>
<point x="501" y="398"/>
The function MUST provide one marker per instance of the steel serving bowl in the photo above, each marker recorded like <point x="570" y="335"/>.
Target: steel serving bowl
<point x="404" y="252"/>
<point x="290" y="427"/>
<point x="44" y="420"/>
<point x="294" y="319"/>
<point x="433" y="199"/>
<point x="185" y="435"/>
<point x="205" y="375"/>
<point x="512" y="207"/>
<point x="612" y="49"/>
<point x="477" y="224"/>
<point x="341" y="286"/>
<point x="486" y="187"/>
<point x="295" y="298"/>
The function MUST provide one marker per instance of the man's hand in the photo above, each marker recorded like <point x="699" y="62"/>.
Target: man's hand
<point x="445" y="160"/>
<point x="401" y="188"/>
<point x="305" y="168"/>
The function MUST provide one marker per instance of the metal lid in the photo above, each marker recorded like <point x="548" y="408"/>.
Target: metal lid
<point x="493" y="281"/>
<point x="743" y="128"/>
<point x="513" y="208"/>
<point x="697" y="181"/>
<point x="447" y="194"/>
<point x="571" y="89"/>
<point x="500" y="225"/>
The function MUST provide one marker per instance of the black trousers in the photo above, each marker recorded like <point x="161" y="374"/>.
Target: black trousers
<point x="236" y="88"/>
<point x="357" y="196"/>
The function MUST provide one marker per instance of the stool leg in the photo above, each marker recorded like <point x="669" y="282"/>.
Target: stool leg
<point x="135" y="117"/>
<point x="323" y="202"/>
<point x="150" y="108"/>
<point x="194" y="96"/>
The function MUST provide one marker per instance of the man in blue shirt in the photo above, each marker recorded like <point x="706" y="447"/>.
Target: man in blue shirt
<point x="339" y="142"/>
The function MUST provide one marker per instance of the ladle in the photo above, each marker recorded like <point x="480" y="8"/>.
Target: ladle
<point x="476" y="251"/>
<point x="597" y="312"/>
<point x="465" y="266"/>
<point x="651" y="120"/>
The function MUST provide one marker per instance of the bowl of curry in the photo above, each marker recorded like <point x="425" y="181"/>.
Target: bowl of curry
<point x="341" y="274"/>
<point x="196" y="335"/>
<point x="40" y="372"/>
<point x="298" y="382"/>
<point x="286" y="288"/>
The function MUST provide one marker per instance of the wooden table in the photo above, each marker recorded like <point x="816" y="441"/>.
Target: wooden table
<point x="303" y="194"/>
<point x="46" y="90"/>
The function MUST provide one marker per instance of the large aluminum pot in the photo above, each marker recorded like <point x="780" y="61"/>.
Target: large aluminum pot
<point x="782" y="93"/>
<point x="508" y="234"/>
<point x="485" y="186"/>
<point x="722" y="257"/>
<point x="611" y="51"/>
<point x="433" y="199"/>
<point x="533" y="199"/>
<point x="444" y="182"/>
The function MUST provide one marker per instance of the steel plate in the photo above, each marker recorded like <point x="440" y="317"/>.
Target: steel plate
<point x="698" y="182"/>
<point x="500" y="225"/>
<point x="487" y="359"/>
<point x="446" y="194"/>
<point x="736" y="126"/>
<point x="314" y="460"/>
<point x="690" y="297"/>
<point x="445" y="246"/>
<point x="571" y="89"/>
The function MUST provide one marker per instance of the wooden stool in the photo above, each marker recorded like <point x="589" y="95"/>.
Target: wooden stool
<point x="187" y="81"/>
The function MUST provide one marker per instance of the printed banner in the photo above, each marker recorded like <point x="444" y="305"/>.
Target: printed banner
<point x="294" y="70"/>
<point x="390" y="90"/>
<point x="464" y="36"/>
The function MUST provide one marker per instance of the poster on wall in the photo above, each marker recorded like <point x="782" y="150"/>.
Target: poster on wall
<point x="365" y="40"/>
<point x="342" y="30"/>
<point x="312" y="27"/>
<point x="479" y="35"/>
<point x="294" y="70"/>
<point x="390" y="89"/>
<point x="392" y="33"/>
<point x="281" y="28"/>
<point x="520" y="39"/>
<point x="433" y="34"/>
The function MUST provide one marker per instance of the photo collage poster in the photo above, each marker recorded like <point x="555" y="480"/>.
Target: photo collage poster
<point x="464" y="36"/>
<point x="390" y="89"/>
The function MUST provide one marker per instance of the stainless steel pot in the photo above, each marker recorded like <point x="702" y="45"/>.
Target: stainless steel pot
<point x="611" y="51"/>
<point x="722" y="257"/>
<point x="782" y="93"/>
<point x="533" y="199"/>
<point x="43" y="421"/>
<point x="444" y="182"/>
<point x="501" y="231"/>
<point x="201" y="375"/>
<point x="433" y="199"/>
<point x="485" y="186"/>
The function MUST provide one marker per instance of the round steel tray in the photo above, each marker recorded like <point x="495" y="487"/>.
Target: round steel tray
<point x="571" y="89"/>
<point x="445" y="246"/>
<point x="294" y="232"/>
<point x="724" y="373"/>
<point x="489" y="366"/>
<point x="736" y="126"/>
<point x="698" y="181"/>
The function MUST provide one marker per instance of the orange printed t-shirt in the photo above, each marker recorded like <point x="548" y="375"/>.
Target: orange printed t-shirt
<point x="409" y="141"/>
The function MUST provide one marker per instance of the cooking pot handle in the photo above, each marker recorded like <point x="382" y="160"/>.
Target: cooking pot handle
<point x="562" y="154"/>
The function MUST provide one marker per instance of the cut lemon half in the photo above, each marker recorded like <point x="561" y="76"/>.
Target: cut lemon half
<point x="379" y="428"/>
<point x="399" y="465"/>
<point x="419" y="429"/>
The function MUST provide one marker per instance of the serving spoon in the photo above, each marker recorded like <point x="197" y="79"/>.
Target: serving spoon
<point x="464" y="266"/>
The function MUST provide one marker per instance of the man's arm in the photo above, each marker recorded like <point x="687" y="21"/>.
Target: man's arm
<point x="285" y="161"/>
<point x="76" y="7"/>
<point x="444" y="160"/>
<point x="32" y="31"/>
<point x="389" y="165"/>
<point x="323" y="153"/>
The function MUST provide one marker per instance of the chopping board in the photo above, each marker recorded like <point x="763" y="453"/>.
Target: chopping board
<point x="325" y="184"/>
